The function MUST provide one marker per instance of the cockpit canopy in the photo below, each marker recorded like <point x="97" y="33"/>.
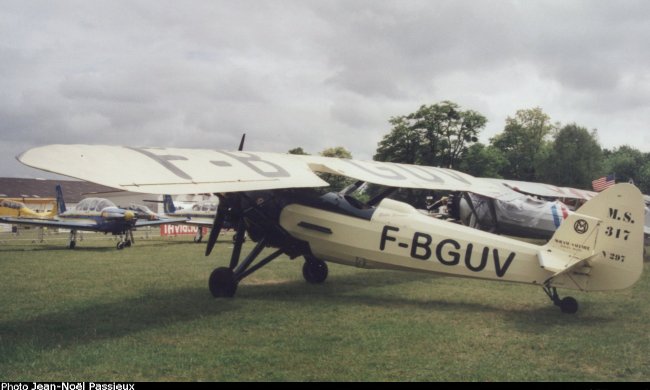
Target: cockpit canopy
<point x="140" y="208"/>
<point x="205" y="206"/>
<point x="94" y="204"/>
<point x="11" y="204"/>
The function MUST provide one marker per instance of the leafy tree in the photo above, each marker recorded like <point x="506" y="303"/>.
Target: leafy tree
<point x="435" y="135"/>
<point x="575" y="158"/>
<point x="402" y="144"/>
<point x="524" y="143"/>
<point x="337" y="182"/>
<point x="628" y="164"/>
<point x="297" y="150"/>
<point x="483" y="161"/>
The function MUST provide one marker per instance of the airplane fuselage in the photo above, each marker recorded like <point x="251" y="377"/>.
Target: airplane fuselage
<point x="109" y="220"/>
<point x="396" y="236"/>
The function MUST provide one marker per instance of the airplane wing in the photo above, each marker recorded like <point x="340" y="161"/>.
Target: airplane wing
<point x="198" y="223"/>
<point x="407" y="176"/>
<point x="184" y="171"/>
<point x="77" y="225"/>
<point x="162" y="221"/>
<point x="173" y="171"/>
<point x="545" y="190"/>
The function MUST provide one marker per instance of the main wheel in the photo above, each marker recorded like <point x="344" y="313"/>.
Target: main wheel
<point x="314" y="270"/>
<point x="72" y="245"/>
<point x="569" y="305"/>
<point x="120" y="245"/>
<point x="222" y="283"/>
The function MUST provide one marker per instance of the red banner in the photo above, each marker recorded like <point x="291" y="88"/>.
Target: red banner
<point x="179" y="230"/>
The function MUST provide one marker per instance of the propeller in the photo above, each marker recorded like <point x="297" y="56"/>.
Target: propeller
<point x="220" y="218"/>
<point x="216" y="228"/>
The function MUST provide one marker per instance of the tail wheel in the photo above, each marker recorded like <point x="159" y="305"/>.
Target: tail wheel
<point x="314" y="270"/>
<point x="222" y="283"/>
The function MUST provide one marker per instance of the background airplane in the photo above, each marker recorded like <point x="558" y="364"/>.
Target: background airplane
<point x="92" y="214"/>
<point x="18" y="209"/>
<point x="201" y="214"/>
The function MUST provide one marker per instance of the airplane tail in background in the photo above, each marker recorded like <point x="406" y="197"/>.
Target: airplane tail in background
<point x="60" y="203"/>
<point x="168" y="204"/>
<point x="600" y="246"/>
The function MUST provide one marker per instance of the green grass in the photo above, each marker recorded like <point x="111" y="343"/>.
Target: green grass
<point x="145" y="313"/>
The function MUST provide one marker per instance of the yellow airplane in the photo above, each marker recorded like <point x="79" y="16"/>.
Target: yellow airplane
<point x="270" y="195"/>
<point x="15" y="207"/>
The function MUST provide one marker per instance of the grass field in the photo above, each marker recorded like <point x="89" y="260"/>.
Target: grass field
<point x="145" y="313"/>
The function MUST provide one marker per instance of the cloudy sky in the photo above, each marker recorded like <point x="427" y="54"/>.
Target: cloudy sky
<point x="309" y="73"/>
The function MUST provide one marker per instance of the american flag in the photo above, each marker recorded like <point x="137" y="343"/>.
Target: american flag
<point x="603" y="183"/>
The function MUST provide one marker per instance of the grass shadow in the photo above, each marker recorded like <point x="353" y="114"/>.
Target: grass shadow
<point x="349" y="289"/>
<point x="156" y="309"/>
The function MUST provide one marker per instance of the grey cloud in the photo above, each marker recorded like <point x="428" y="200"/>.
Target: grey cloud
<point x="309" y="73"/>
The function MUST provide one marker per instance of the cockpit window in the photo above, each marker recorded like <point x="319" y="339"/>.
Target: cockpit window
<point x="94" y="204"/>
<point x="11" y="204"/>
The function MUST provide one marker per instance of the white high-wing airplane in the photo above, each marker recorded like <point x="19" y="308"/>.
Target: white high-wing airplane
<point x="597" y="248"/>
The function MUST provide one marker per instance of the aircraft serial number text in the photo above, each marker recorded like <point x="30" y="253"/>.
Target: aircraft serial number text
<point x="448" y="252"/>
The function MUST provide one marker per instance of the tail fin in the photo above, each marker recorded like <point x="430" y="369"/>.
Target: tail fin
<point x="168" y="204"/>
<point x="60" y="203"/>
<point x="604" y="238"/>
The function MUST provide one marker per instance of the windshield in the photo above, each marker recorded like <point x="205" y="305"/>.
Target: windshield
<point x="94" y="204"/>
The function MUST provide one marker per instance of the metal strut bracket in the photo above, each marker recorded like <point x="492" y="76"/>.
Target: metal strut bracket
<point x="246" y="268"/>
<point x="552" y="293"/>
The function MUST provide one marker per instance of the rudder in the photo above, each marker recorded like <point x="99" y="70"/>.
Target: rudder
<point x="608" y="231"/>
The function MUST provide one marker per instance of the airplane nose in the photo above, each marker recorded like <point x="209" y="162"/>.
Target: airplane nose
<point x="129" y="215"/>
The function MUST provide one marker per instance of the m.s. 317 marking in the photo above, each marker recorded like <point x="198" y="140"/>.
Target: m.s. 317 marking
<point x="448" y="251"/>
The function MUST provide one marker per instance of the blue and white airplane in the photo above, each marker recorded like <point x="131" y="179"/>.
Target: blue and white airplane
<point x="93" y="214"/>
<point x="202" y="214"/>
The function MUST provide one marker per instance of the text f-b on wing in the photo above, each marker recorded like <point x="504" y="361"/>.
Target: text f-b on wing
<point x="173" y="170"/>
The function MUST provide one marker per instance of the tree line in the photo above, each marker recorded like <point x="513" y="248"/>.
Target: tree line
<point x="531" y="147"/>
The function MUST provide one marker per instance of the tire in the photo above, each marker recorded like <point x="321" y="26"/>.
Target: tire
<point x="222" y="283"/>
<point x="569" y="305"/>
<point x="314" y="270"/>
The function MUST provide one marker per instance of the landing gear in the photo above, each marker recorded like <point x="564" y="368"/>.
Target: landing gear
<point x="267" y="233"/>
<point x="126" y="240"/>
<point x="199" y="235"/>
<point x="224" y="280"/>
<point x="222" y="283"/>
<point x="314" y="270"/>
<point x="73" y="239"/>
<point x="567" y="305"/>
